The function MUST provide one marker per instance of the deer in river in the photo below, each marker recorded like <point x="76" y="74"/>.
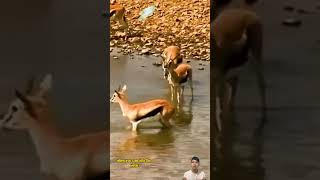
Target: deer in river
<point x="178" y="75"/>
<point x="75" y="158"/>
<point x="237" y="33"/>
<point x="171" y="53"/>
<point x="136" y="113"/>
<point x="117" y="14"/>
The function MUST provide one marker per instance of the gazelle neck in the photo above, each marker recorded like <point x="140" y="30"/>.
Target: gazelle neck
<point x="173" y="74"/>
<point x="124" y="105"/>
<point x="45" y="138"/>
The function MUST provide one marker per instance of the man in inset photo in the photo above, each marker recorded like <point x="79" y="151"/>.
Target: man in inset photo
<point x="194" y="173"/>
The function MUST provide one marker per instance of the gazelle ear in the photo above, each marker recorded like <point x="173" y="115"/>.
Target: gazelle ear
<point x="117" y="92"/>
<point x="124" y="88"/>
<point x="45" y="86"/>
<point x="20" y="96"/>
<point x="26" y="103"/>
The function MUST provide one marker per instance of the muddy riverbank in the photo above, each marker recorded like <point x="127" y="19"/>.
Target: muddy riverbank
<point x="185" y="23"/>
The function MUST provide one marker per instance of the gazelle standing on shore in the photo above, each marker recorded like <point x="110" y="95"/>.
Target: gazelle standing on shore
<point x="75" y="158"/>
<point x="117" y="14"/>
<point x="171" y="53"/>
<point x="236" y="33"/>
<point x="178" y="75"/>
<point x="136" y="113"/>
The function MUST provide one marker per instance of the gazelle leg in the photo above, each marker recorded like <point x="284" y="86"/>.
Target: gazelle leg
<point x="178" y="94"/>
<point x="172" y="92"/>
<point x="162" y="123"/>
<point x="234" y="87"/>
<point x="226" y="101"/>
<point x="225" y="96"/>
<point x="217" y="87"/>
<point x="135" y="125"/>
<point x="218" y="113"/>
<point x="164" y="70"/>
<point x="182" y="94"/>
<point x="191" y="88"/>
<point x="255" y="41"/>
<point x="165" y="117"/>
<point x="182" y="90"/>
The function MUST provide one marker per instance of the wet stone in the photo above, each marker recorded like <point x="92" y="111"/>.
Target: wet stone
<point x="293" y="22"/>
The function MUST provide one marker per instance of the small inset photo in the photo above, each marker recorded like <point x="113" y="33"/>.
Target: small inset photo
<point x="195" y="173"/>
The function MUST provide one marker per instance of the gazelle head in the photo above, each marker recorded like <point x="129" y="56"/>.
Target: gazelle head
<point x="119" y="95"/>
<point x="113" y="1"/>
<point x="168" y="63"/>
<point x="26" y="109"/>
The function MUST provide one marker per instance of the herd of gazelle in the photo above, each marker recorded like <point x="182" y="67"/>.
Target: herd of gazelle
<point x="176" y="73"/>
<point x="237" y="31"/>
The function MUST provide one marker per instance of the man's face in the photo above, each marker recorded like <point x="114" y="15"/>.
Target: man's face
<point x="194" y="164"/>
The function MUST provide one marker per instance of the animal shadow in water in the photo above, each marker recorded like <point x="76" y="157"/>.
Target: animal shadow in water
<point x="225" y="157"/>
<point x="139" y="139"/>
<point x="183" y="113"/>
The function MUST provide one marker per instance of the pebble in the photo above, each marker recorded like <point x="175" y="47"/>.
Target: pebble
<point x="157" y="64"/>
<point x="293" y="22"/>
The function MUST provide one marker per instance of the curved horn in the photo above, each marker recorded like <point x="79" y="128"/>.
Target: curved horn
<point x="26" y="102"/>
<point x="117" y="92"/>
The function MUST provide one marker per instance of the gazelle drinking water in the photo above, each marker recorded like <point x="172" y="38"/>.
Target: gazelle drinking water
<point x="170" y="53"/>
<point x="77" y="158"/>
<point x="236" y="33"/>
<point x="138" y="112"/>
<point x="178" y="75"/>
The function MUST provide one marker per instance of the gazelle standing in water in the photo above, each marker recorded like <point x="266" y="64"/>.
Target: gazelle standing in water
<point x="171" y="53"/>
<point x="178" y="75"/>
<point x="77" y="158"/>
<point x="237" y="32"/>
<point x="136" y="113"/>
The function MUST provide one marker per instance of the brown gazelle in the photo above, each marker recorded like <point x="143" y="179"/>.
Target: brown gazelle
<point x="76" y="158"/>
<point x="117" y="13"/>
<point x="237" y="32"/>
<point x="171" y="53"/>
<point x="138" y="112"/>
<point x="178" y="75"/>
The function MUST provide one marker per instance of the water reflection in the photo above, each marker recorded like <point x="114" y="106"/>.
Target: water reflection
<point x="145" y="138"/>
<point x="168" y="149"/>
<point x="184" y="114"/>
<point x="240" y="153"/>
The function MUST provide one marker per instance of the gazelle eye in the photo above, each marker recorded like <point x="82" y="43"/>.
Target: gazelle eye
<point x="14" y="108"/>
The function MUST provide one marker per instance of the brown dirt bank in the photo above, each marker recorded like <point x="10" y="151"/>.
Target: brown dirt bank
<point x="185" y="23"/>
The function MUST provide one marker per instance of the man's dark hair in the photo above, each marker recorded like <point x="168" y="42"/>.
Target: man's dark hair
<point x="195" y="158"/>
